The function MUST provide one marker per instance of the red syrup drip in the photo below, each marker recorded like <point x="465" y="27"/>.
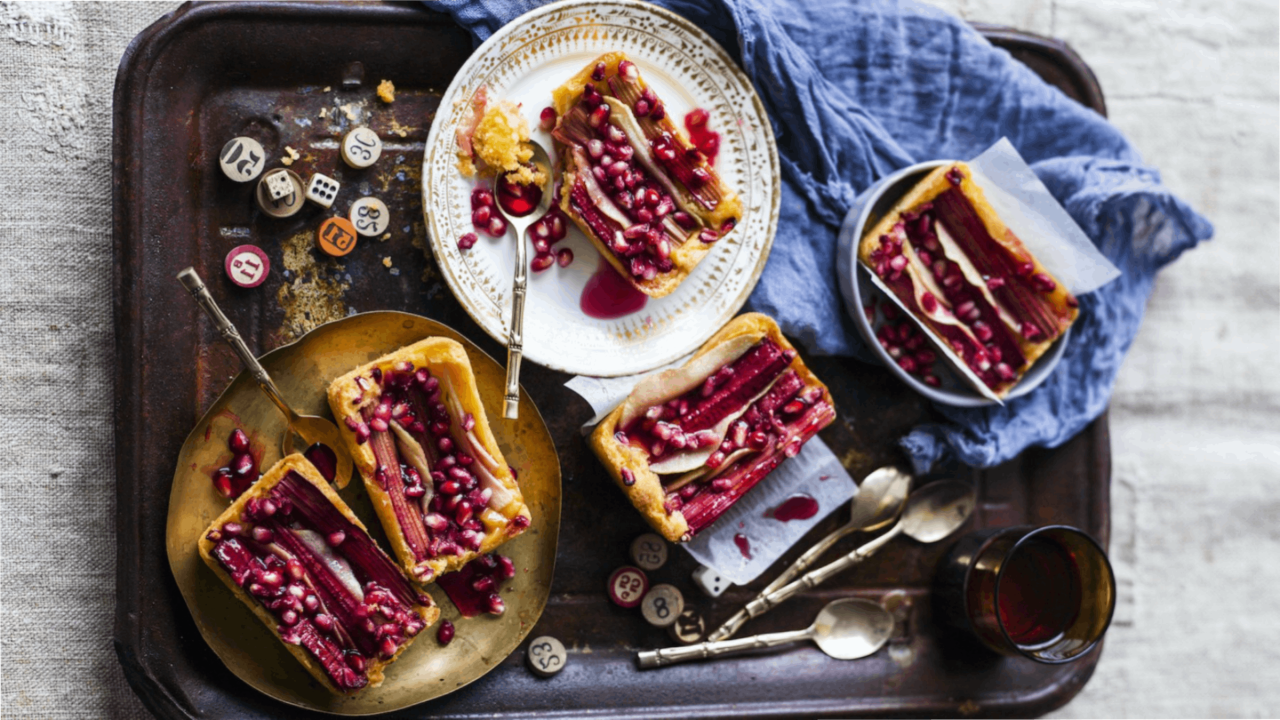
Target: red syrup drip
<point x="796" y="507"/>
<point x="324" y="458"/>
<point x="1039" y="593"/>
<point x="744" y="545"/>
<point x="702" y="137"/>
<point x="518" y="200"/>
<point x="607" y="296"/>
<point x="459" y="586"/>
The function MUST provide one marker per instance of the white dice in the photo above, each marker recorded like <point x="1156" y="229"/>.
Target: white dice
<point x="546" y="656"/>
<point x="710" y="581"/>
<point x="370" y="216"/>
<point x="662" y="605"/>
<point x="287" y="205"/>
<point x="361" y="148"/>
<point x="322" y="190"/>
<point x="242" y="159"/>
<point x="278" y="185"/>
<point x="649" y="552"/>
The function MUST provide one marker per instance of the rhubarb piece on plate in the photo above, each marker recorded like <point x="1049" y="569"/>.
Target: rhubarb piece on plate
<point x="646" y="197"/>
<point x="292" y="550"/>
<point x="419" y="436"/>
<point x="690" y="441"/>
<point x="990" y="306"/>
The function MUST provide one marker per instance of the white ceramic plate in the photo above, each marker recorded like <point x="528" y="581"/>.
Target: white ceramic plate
<point x="523" y="62"/>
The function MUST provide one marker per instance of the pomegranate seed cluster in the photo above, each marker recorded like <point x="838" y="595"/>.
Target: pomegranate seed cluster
<point x="475" y="588"/>
<point x="770" y="414"/>
<point x="238" y="475"/>
<point x="441" y="482"/>
<point x="544" y="233"/>
<point x="321" y="577"/>
<point x="990" y="323"/>
<point x="905" y="343"/>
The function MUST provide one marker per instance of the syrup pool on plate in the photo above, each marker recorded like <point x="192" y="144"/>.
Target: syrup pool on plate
<point x="744" y="545"/>
<point x="797" y="507"/>
<point x="607" y="296"/>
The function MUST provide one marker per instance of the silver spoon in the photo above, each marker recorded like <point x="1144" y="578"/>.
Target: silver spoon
<point x="521" y="223"/>
<point x="932" y="513"/>
<point x="879" y="500"/>
<point x="846" y="629"/>
<point x="311" y="428"/>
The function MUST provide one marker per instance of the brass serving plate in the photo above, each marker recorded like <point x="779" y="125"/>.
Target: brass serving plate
<point x="303" y="371"/>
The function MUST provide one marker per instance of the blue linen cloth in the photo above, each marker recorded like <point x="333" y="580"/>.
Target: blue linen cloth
<point x="859" y="88"/>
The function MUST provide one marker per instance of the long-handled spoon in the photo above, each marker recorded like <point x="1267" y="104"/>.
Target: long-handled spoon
<point x="310" y="428"/>
<point x="932" y="513"/>
<point x="879" y="500"/>
<point x="520" y="223"/>
<point x="845" y="629"/>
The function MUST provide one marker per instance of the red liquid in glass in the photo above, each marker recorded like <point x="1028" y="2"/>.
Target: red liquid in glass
<point x="1039" y="593"/>
<point x="796" y="507"/>
<point x="607" y="296"/>
<point x="744" y="545"/>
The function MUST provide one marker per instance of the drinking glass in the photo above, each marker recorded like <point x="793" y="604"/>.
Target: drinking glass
<point x="1045" y="593"/>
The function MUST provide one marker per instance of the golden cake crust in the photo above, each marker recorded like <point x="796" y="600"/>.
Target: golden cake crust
<point x="446" y="359"/>
<point x="299" y="464"/>
<point x="647" y="494"/>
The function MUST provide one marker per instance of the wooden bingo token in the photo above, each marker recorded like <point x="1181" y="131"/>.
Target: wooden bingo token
<point x="242" y="159"/>
<point x="284" y="207"/>
<point x="649" y="551"/>
<point x="361" y="148"/>
<point x="627" y="586"/>
<point x="370" y="216"/>
<point x="662" y="605"/>
<point x="546" y="656"/>
<point x="688" y="628"/>
<point x="247" y="266"/>
<point x="337" y="236"/>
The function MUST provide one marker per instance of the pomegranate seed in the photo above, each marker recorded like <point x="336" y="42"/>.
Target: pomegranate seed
<point x="982" y="331"/>
<point x="615" y="135"/>
<point x="618" y="168"/>
<point x="710" y="145"/>
<point x="715" y="460"/>
<point x="628" y="71"/>
<point x="541" y="246"/>
<point x="336" y="538"/>
<point x="484" y="584"/>
<point x="720" y="485"/>
<point x="628" y="478"/>
<point x="356" y="662"/>
<point x="644" y="215"/>
<point x="1072" y="301"/>
<point x="597" y="73"/>
<point x="696" y="119"/>
<point x="658" y="112"/>
<point x="547" y="120"/>
<point x="907" y="363"/>
<point x="542" y="262"/>
<point x="1043" y="283"/>
<point x="444" y="633"/>
<point x="497" y="226"/>
<point x="595" y="148"/>
<point x="642" y="107"/>
<point x="558" y="228"/>
<point x="1004" y="372"/>
<point x="564" y="257"/>
<point x="467" y="241"/>
<point x="925" y="357"/>
<point x="624" y="200"/>
<point x="541" y="230"/>
<point x="995" y="282"/>
<point x="481" y="216"/>
<point x="898" y="263"/>
<point x="506" y="567"/>
<point x="929" y="303"/>
<point x="951" y="281"/>
<point x="599" y="116"/>
<point x="708" y="236"/>
<point x="939" y="268"/>
<point x="379" y="425"/>
<point x="323" y="621"/>
<point x="242" y="465"/>
<point x="700" y="177"/>
<point x="1030" y="331"/>
<point x="388" y="648"/>
<point x="1026" y="268"/>
<point x="591" y="96"/>
<point x="496" y="606"/>
<point x="481" y="197"/>
<point x="994" y="353"/>
<point x="232" y="528"/>
<point x="263" y="535"/>
<point x="451" y="487"/>
<point x="792" y="408"/>
<point x="924" y="256"/>
<point x="931" y="380"/>
<point x="238" y="442"/>
<point x="624" y="153"/>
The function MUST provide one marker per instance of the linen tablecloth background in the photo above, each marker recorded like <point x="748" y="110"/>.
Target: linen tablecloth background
<point x="1195" y="416"/>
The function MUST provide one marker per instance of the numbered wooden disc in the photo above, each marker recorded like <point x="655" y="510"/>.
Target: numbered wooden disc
<point x="284" y="207"/>
<point x="649" y="552"/>
<point x="546" y="656"/>
<point x="627" y="586"/>
<point x="337" y="236"/>
<point x="689" y="627"/>
<point x="242" y="159"/>
<point x="662" y="605"/>
<point x="370" y="216"/>
<point x="247" y="266"/>
<point x="361" y="147"/>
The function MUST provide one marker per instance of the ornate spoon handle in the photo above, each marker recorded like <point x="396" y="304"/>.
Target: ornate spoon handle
<point x="670" y="656"/>
<point x="515" y="340"/>
<point x="191" y="280"/>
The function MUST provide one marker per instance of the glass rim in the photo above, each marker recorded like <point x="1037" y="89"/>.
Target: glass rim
<point x="1111" y="576"/>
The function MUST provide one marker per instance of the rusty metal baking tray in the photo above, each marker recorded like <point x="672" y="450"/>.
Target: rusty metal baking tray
<point x="205" y="73"/>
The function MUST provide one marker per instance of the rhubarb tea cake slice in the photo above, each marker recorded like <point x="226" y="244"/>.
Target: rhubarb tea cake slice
<point x="646" y="197"/>
<point x="419" y="436"/>
<point x="292" y="550"/>
<point x="689" y="442"/>
<point x="962" y="273"/>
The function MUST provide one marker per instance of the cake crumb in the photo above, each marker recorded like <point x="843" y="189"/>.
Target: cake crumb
<point x="327" y="88"/>
<point x="291" y="156"/>
<point x="385" y="237"/>
<point x="349" y="112"/>
<point x="387" y="91"/>
<point x="386" y="261"/>
<point x="501" y="142"/>
<point x="324" y="112"/>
